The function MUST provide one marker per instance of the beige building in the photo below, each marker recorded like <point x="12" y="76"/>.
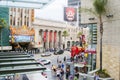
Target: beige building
<point x="21" y="16"/>
<point x="48" y="34"/>
<point x="21" y="32"/>
<point x="111" y="42"/>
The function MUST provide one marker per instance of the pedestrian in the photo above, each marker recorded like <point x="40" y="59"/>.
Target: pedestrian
<point x="67" y="73"/>
<point x="58" y="59"/>
<point x="71" y="77"/>
<point x="62" y="73"/>
<point x="96" y="77"/>
<point x="54" y="68"/>
<point x="75" y="78"/>
<point x="65" y="59"/>
<point x="62" y="65"/>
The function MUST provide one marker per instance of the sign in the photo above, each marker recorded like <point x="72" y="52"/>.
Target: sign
<point x="23" y="38"/>
<point x="70" y="14"/>
<point x="6" y="48"/>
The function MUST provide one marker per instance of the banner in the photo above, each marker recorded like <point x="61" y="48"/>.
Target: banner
<point x="22" y="38"/>
<point x="45" y="36"/>
<point x="70" y="14"/>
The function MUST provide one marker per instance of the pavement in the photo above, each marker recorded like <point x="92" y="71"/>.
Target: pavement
<point x="50" y="74"/>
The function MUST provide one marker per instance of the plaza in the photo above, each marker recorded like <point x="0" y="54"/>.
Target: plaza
<point x="25" y="32"/>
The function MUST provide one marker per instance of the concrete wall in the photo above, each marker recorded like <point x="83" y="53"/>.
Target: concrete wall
<point x="111" y="40"/>
<point x="111" y="37"/>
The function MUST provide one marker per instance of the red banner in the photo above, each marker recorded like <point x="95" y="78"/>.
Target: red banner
<point x="44" y="36"/>
<point x="50" y="36"/>
<point x="54" y="36"/>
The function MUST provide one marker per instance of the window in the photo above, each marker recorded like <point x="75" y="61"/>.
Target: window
<point x="10" y="19"/>
<point x="27" y="21"/>
<point x="24" y="20"/>
<point x="14" y="21"/>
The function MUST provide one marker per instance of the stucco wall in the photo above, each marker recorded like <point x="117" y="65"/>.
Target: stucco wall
<point x="111" y="40"/>
<point x="111" y="37"/>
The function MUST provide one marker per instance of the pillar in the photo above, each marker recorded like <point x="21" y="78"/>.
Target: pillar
<point x="47" y="41"/>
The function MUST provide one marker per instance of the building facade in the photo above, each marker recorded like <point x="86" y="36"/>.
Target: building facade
<point x="48" y="34"/>
<point x="21" y="33"/>
<point x="75" y="4"/>
<point x="111" y="43"/>
<point x="4" y="38"/>
<point x="21" y="16"/>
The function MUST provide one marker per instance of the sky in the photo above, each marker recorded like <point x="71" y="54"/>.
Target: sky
<point x="53" y="11"/>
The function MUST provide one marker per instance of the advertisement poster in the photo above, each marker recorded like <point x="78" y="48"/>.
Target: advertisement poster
<point x="23" y="38"/>
<point x="70" y="14"/>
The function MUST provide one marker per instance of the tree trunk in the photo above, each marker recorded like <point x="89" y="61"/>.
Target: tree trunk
<point x="101" y="34"/>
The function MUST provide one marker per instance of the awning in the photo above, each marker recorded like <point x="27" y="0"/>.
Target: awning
<point x="25" y="3"/>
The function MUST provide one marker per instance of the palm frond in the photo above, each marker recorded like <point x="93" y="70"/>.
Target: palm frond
<point x="79" y="34"/>
<point x="2" y="23"/>
<point x="99" y="6"/>
<point x="65" y="33"/>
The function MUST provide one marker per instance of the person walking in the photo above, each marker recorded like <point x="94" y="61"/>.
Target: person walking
<point x="64" y="59"/>
<point x="96" y="77"/>
<point x="58" y="59"/>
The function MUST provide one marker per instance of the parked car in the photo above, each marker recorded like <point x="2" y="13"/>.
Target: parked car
<point x="46" y="54"/>
<point x="44" y="61"/>
<point x="68" y="49"/>
<point x="58" y="52"/>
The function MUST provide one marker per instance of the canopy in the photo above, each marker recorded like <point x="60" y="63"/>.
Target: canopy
<point x="25" y="3"/>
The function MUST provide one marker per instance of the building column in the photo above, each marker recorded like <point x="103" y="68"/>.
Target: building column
<point x="60" y="40"/>
<point x="56" y="39"/>
<point x="36" y="36"/>
<point x="52" y="42"/>
<point x="23" y="10"/>
<point x="47" y="41"/>
<point x="16" y="16"/>
<point x="41" y="42"/>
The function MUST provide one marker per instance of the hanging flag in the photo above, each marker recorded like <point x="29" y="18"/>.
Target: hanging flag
<point x="73" y="51"/>
<point x="44" y="36"/>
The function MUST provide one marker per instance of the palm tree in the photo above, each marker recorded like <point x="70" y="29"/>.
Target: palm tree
<point x="2" y="25"/>
<point x="65" y="34"/>
<point x="79" y="36"/>
<point x="99" y="11"/>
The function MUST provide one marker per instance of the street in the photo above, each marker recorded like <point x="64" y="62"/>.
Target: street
<point x="53" y="59"/>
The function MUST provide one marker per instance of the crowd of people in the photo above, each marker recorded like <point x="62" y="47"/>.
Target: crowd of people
<point x="62" y="71"/>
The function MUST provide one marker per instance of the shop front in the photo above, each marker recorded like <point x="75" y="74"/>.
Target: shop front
<point x="21" y="37"/>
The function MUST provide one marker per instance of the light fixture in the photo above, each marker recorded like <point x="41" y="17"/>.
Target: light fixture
<point x="92" y="18"/>
<point x="109" y="16"/>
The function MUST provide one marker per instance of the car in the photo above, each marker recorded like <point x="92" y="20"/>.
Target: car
<point x="46" y="54"/>
<point x="68" y="49"/>
<point x="44" y="61"/>
<point x="58" y="52"/>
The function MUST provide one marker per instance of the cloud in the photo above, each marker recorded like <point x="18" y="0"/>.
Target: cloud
<point x="53" y="11"/>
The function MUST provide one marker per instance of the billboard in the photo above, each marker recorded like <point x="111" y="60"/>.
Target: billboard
<point x="70" y="14"/>
<point x="22" y="38"/>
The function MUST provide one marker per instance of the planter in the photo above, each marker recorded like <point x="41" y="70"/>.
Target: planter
<point x="106" y="79"/>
